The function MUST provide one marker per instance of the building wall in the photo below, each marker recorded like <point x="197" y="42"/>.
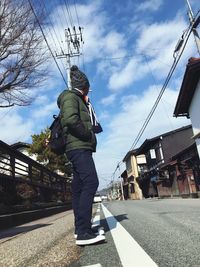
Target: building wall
<point x="183" y="186"/>
<point x="194" y="114"/>
<point x="176" y="142"/>
<point x="164" y="191"/>
<point x="133" y="171"/>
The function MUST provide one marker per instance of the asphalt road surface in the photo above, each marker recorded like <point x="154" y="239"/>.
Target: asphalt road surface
<point x="146" y="233"/>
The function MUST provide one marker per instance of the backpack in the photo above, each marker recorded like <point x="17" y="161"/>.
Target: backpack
<point x="57" y="141"/>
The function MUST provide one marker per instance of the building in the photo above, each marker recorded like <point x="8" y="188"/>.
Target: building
<point x="189" y="98"/>
<point x="159" y="150"/>
<point x="135" y="164"/>
<point x="183" y="172"/>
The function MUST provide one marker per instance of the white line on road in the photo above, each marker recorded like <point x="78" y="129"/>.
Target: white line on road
<point x="98" y="209"/>
<point x="96" y="219"/>
<point x="130" y="252"/>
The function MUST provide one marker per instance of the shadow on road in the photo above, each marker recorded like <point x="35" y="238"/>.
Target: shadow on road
<point x="19" y="230"/>
<point x="112" y="221"/>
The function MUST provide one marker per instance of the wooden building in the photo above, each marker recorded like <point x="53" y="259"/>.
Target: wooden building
<point x="156" y="181"/>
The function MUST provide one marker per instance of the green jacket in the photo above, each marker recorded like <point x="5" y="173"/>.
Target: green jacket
<point x="75" y="120"/>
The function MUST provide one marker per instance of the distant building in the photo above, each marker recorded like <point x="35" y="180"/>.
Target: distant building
<point x="134" y="165"/>
<point x="23" y="148"/>
<point x="188" y="103"/>
<point x="159" y="151"/>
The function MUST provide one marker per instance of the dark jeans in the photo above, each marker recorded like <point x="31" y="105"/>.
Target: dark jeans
<point x="84" y="185"/>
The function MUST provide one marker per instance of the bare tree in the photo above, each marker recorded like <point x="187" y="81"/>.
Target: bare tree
<point x="22" y="53"/>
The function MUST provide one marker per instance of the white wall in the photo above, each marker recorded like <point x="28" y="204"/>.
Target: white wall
<point x="194" y="112"/>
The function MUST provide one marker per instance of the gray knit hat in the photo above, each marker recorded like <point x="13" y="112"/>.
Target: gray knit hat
<point x="78" y="79"/>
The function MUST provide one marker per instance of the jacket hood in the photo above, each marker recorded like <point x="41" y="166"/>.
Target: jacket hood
<point x="73" y="91"/>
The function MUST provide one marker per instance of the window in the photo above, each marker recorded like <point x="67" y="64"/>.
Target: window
<point x="152" y="153"/>
<point x="128" y="165"/>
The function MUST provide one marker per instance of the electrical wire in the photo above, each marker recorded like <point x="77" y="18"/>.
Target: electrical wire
<point x="155" y="82"/>
<point x="76" y="12"/>
<point x="67" y="19"/>
<point x="57" y="41"/>
<point x="47" y="42"/>
<point x="69" y="12"/>
<point x="176" y="60"/>
<point x="177" y="57"/>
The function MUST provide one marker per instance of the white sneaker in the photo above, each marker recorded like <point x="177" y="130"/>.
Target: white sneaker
<point x="88" y="239"/>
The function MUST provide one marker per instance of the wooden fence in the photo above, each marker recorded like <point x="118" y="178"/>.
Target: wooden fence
<point x="17" y="168"/>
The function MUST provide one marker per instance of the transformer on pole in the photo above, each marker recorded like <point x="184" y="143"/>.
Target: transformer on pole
<point x="73" y="38"/>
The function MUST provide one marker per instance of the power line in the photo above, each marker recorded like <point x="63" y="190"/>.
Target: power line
<point x="47" y="42"/>
<point x="56" y="39"/>
<point x="67" y="19"/>
<point x="177" y="57"/>
<point x="155" y="82"/>
<point x="59" y="40"/>
<point x="172" y="69"/>
<point x="76" y="12"/>
<point x="69" y="13"/>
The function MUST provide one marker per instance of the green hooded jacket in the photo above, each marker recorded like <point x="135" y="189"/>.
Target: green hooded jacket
<point x="75" y="120"/>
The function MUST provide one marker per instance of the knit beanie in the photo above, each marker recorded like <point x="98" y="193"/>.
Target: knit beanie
<point x="78" y="79"/>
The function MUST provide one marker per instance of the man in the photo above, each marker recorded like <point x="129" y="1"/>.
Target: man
<point x="81" y="142"/>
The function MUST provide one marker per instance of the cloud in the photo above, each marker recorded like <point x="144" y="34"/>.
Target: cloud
<point x="149" y="5"/>
<point x="133" y="71"/>
<point x="155" y="38"/>
<point x="153" y="54"/>
<point x="14" y="128"/>
<point x="108" y="100"/>
<point x="46" y="110"/>
<point x="125" y="125"/>
<point x="104" y="115"/>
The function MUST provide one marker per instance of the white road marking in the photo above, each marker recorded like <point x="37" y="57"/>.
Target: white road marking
<point x="130" y="252"/>
<point x="96" y="219"/>
<point x="98" y="209"/>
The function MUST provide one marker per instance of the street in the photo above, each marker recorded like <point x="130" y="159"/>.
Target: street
<point x="151" y="232"/>
<point x="168" y="230"/>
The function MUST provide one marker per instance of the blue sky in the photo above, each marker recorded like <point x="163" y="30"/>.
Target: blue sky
<point x="128" y="52"/>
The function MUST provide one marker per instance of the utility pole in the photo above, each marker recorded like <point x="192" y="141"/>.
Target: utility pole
<point x="73" y="38"/>
<point x="195" y="24"/>
<point x="122" y="190"/>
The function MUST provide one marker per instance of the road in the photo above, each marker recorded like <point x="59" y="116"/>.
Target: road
<point x="168" y="231"/>
<point x="145" y="233"/>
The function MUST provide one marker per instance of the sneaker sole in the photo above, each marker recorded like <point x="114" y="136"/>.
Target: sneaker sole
<point x="90" y="241"/>
<point x="100" y="232"/>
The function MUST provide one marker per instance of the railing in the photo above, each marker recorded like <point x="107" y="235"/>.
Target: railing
<point x="18" y="166"/>
<point x="17" y="169"/>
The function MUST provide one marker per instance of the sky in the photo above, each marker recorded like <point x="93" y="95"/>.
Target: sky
<point x="127" y="53"/>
